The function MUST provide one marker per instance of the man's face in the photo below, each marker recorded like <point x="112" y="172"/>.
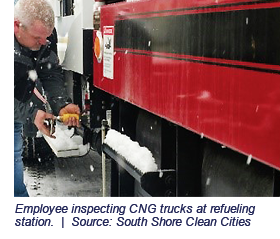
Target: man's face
<point x="32" y="37"/>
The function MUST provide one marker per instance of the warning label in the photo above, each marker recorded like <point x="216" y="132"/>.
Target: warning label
<point x="108" y="56"/>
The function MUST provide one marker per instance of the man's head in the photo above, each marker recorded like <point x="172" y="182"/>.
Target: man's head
<point x="33" y="22"/>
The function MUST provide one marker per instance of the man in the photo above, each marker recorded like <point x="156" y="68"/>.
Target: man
<point x="36" y="69"/>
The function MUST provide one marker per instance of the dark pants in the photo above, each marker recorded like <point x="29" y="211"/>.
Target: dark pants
<point x="19" y="186"/>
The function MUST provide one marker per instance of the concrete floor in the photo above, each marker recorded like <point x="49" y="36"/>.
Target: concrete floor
<point x="49" y="176"/>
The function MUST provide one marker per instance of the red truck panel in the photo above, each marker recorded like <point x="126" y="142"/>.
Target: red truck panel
<point x="213" y="69"/>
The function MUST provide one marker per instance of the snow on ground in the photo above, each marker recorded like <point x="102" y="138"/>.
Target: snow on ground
<point x="138" y="156"/>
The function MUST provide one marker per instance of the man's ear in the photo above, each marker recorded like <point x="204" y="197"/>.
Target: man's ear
<point x="16" y="26"/>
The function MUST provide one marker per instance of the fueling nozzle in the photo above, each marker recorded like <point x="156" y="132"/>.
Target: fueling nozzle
<point x="50" y="123"/>
<point x="65" y="117"/>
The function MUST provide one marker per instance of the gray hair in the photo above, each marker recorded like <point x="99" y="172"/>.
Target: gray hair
<point x="28" y="11"/>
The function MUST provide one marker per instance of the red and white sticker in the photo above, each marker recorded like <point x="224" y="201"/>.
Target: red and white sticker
<point x="108" y="55"/>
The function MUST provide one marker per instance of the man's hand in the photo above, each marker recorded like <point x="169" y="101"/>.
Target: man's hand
<point x="70" y="109"/>
<point x="39" y="122"/>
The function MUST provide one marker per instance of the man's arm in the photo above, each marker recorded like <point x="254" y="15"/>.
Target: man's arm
<point x="53" y="82"/>
<point x="22" y="111"/>
<point x="51" y="76"/>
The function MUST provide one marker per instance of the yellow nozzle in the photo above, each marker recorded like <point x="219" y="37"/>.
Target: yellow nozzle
<point x="65" y="117"/>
